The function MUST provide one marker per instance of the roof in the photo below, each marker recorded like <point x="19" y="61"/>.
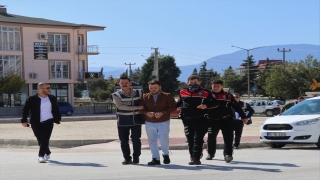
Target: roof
<point x="12" y="18"/>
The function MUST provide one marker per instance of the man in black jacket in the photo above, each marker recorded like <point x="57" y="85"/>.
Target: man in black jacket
<point x="194" y="101"/>
<point x="44" y="111"/>
<point x="221" y="117"/>
<point x="238" y="124"/>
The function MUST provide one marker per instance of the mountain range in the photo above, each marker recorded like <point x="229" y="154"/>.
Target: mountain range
<point x="235" y="59"/>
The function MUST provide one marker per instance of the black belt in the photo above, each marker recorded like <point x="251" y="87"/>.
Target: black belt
<point x="193" y="117"/>
<point x="220" y="118"/>
<point x="48" y="120"/>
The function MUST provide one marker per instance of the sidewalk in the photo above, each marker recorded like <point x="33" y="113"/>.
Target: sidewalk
<point x="100" y="132"/>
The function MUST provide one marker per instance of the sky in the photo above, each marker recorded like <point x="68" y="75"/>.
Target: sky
<point x="190" y="30"/>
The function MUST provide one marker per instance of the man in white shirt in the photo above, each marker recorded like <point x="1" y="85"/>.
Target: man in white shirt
<point x="44" y="111"/>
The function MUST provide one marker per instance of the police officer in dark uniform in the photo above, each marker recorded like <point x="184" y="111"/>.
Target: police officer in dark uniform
<point x="193" y="101"/>
<point x="221" y="117"/>
<point x="237" y="123"/>
<point x="130" y="120"/>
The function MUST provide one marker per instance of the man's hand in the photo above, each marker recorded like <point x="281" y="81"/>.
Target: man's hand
<point x="140" y="107"/>
<point x="245" y="120"/>
<point x="150" y="114"/>
<point x="202" y="106"/>
<point x="25" y="124"/>
<point x="158" y="114"/>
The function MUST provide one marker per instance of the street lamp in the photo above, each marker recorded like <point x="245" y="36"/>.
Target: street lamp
<point x="248" y="64"/>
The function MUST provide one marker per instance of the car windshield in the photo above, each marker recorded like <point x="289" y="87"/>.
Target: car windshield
<point x="306" y="107"/>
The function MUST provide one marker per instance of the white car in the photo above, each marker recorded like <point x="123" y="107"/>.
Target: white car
<point x="270" y="108"/>
<point x="298" y="125"/>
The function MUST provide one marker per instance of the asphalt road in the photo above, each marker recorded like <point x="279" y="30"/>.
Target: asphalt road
<point x="260" y="163"/>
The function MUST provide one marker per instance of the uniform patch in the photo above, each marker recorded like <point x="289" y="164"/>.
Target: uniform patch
<point x="200" y="93"/>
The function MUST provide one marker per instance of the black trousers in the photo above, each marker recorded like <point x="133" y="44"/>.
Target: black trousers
<point x="43" y="131"/>
<point x="195" y="130"/>
<point x="226" y="126"/>
<point x="124" y="133"/>
<point x="238" y="127"/>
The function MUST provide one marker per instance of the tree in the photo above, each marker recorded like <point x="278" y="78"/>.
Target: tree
<point x="253" y="72"/>
<point x="195" y="72"/>
<point x="136" y="74"/>
<point x="293" y="79"/>
<point x="10" y="84"/>
<point x="168" y="73"/>
<point x="232" y="80"/>
<point x="77" y="91"/>
<point x="104" y="95"/>
<point x="261" y="79"/>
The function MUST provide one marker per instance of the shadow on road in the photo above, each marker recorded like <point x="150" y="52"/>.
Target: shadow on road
<point x="261" y="163"/>
<point x="219" y="168"/>
<point x="51" y="162"/>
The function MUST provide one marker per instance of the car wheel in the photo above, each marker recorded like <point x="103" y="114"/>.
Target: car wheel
<point x="277" y="145"/>
<point x="69" y="113"/>
<point x="318" y="144"/>
<point x="269" y="113"/>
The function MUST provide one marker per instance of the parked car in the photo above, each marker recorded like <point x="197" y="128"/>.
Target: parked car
<point x="298" y="125"/>
<point x="270" y="108"/>
<point x="65" y="108"/>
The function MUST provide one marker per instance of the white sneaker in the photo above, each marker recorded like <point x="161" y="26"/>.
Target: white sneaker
<point x="42" y="160"/>
<point x="46" y="157"/>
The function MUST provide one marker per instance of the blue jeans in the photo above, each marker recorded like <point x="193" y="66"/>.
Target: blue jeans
<point x="159" y="131"/>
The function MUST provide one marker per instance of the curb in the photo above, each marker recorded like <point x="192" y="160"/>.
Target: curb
<point x="66" y="119"/>
<point x="53" y="143"/>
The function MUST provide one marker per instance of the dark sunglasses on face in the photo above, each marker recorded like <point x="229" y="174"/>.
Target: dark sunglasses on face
<point x="236" y="97"/>
<point x="47" y="88"/>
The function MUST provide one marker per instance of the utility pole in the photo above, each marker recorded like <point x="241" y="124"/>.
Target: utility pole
<point x="156" y="67"/>
<point x="284" y="54"/>
<point x="248" y="64"/>
<point x="130" y="68"/>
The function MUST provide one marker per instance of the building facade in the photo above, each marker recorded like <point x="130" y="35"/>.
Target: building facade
<point x="42" y="50"/>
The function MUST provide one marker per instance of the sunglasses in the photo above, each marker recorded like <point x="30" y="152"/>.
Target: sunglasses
<point x="236" y="97"/>
<point x="47" y="88"/>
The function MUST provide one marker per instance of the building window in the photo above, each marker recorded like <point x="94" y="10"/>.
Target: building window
<point x="59" y="70"/>
<point x="10" y="39"/>
<point x="10" y="63"/>
<point x="58" y="42"/>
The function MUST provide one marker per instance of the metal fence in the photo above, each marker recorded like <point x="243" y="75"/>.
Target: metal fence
<point x="102" y="108"/>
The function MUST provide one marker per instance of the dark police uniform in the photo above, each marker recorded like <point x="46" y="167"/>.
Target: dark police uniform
<point x="238" y="124"/>
<point x="195" y="124"/>
<point x="129" y="120"/>
<point x="221" y="117"/>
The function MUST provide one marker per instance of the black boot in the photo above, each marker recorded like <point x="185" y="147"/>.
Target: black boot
<point x="166" y="159"/>
<point x="195" y="162"/>
<point x="209" y="157"/>
<point x="126" y="162"/>
<point x="154" y="162"/>
<point x="135" y="160"/>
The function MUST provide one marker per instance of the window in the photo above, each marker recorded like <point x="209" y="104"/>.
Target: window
<point x="10" y="38"/>
<point x="59" y="70"/>
<point x="58" y="42"/>
<point x="10" y="63"/>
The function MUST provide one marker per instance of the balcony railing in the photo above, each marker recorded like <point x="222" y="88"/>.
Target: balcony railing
<point x="84" y="49"/>
<point x="89" y="76"/>
<point x="10" y="46"/>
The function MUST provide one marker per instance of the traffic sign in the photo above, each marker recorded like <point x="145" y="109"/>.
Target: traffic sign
<point x="254" y="88"/>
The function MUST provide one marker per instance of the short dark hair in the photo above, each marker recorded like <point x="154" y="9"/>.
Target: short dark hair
<point x="300" y="97"/>
<point x="154" y="81"/>
<point x="125" y="78"/>
<point x="192" y="77"/>
<point x="217" y="81"/>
